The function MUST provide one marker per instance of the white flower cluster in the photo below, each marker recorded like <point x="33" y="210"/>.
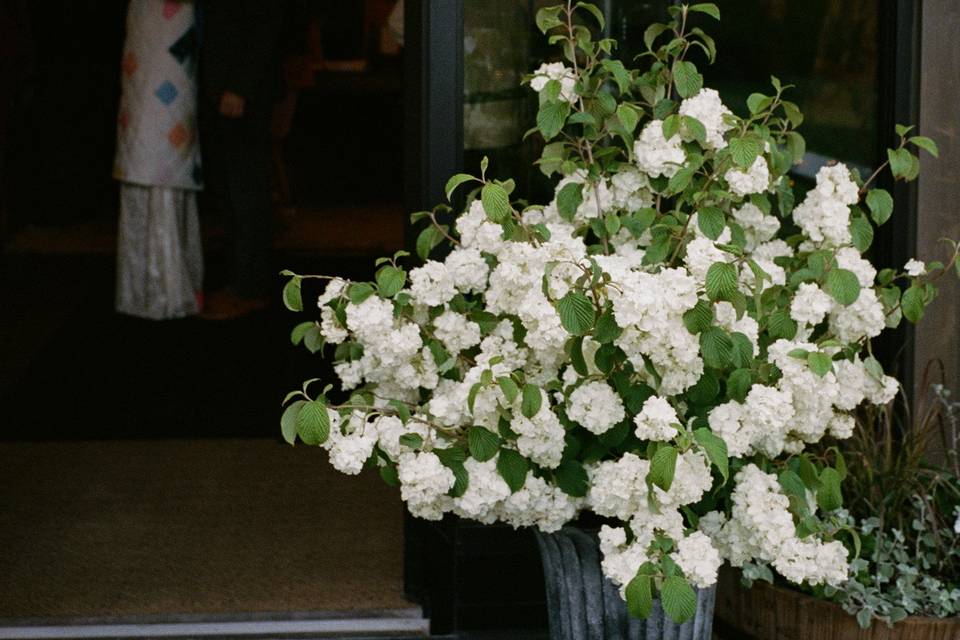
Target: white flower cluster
<point x="556" y="71"/>
<point x="596" y="360"/>
<point x="824" y="214"/>
<point x="712" y="114"/>
<point x="761" y="528"/>
<point x="655" y="155"/>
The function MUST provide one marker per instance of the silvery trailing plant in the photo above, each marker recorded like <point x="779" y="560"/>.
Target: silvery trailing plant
<point x="657" y="344"/>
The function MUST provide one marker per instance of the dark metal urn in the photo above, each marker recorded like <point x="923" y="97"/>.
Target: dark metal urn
<point x="584" y="605"/>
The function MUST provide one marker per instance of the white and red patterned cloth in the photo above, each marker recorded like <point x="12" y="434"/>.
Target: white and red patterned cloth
<point x="157" y="125"/>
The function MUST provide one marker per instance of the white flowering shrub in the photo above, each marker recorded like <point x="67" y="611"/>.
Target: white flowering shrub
<point x="657" y="344"/>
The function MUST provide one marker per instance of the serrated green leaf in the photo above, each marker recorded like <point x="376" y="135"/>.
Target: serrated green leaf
<point x="711" y="221"/>
<point x="678" y="599"/>
<point x="744" y="151"/>
<point x="513" y="468"/>
<point x="496" y="202"/>
<point x="716" y="450"/>
<point x="639" y="595"/>
<point x="606" y="330"/>
<point x="861" y="231"/>
<point x="313" y="422"/>
<point x="427" y="240"/>
<point x="483" y="443"/>
<point x="698" y="318"/>
<point x="576" y="312"/>
<point x="716" y="347"/>
<point x="781" y="325"/>
<point x="551" y="117"/>
<point x="843" y="285"/>
<point x="532" y="400"/>
<point x="686" y="78"/>
<point x="721" y="281"/>
<point x="663" y="467"/>
<point x="880" y="203"/>
<point x="411" y="440"/>
<point x="791" y="484"/>
<point x="704" y="391"/>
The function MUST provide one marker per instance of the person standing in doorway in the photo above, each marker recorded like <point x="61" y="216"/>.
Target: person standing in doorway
<point x="159" y="252"/>
<point x="239" y="82"/>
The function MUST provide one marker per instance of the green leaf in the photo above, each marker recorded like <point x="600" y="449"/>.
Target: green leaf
<point x="829" y="496"/>
<point x="606" y="330"/>
<point x="738" y="384"/>
<point x="569" y="199"/>
<point x="620" y="74"/>
<point x="708" y="8"/>
<point x="711" y="221"/>
<point x="427" y="240"/>
<point x="781" y="325"/>
<point x="548" y="18"/>
<point x="455" y="181"/>
<point x="388" y="473"/>
<point x="628" y="117"/>
<point x="313" y="422"/>
<point x="576" y="312"/>
<point x="360" y="291"/>
<point x="663" y="466"/>
<point x="390" y="280"/>
<point x="744" y="151"/>
<point x="594" y="11"/>
<point x="757" y="102"/>
<point x="926" y="144"/>
<point x="686" y="78"/>
<point x="509" y="388"/>
<point x="796" y="145"/>
<point x="652" y="33"/>
<point x="313" y="339"/>
<point x="411" y="440"/>
<point x="291" y="295"/>
<point x="296" y="336"/>
<point x="912" y="304"/>
<point x="461" y="479"/>
<point x="699" y="318"/>
<point x="721" y="281"/>
<point x="639" y="596"/>
<point x="693" y="128"/>
<point x="820" y="363"/>
<point x="483" y="443"/>
<point x="575" y="348"/>
<point x="716" y="347"/>
<point x="572" y="478"/>
<point x="532" y="400"/>
<point x="678" y="599"/>
<point x="862" y="233"/>
<point x="880" y="203"/>
<point x="792" y="484"/>
<point x="843" y="285"/>
<point x="496" y="202"/>
<point x="288" y="421"/>
<point x="705" y="390"/>
<point x="513" y="468"/>
<point x="901" y="161"/>
<point x="551" y="117"/>
<point x="670" y="126"/>
<point x="715" y="448"/>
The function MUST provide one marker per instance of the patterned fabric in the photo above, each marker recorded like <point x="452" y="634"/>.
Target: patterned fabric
<point x="157" y="126"/>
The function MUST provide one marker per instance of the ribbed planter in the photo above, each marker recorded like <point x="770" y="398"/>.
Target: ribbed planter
<point x="583" y="605"/>
<point x="769" y="612"/>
